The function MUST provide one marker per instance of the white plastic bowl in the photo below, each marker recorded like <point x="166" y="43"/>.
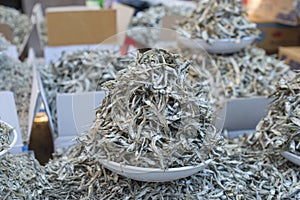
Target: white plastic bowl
<point x="153" y="174"/>
<point x="219" y="46"/>
<point x="291" y="157"/>
<point x="13" y="135"/>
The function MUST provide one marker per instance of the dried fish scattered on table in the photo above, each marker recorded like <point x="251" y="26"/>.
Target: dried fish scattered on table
<point x="16" y="77"/>
<point x="279" y="130"/>
<point x="218" y="19"/>
<point x="3" y="43"/>
<point x="5" y="139"/>
<point x="250" y="72"/>
<point x="155" y="115"/>
<point x="19" y="23"/>
<point x="80" y="71"/>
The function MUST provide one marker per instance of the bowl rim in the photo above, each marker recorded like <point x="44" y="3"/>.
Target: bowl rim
<point x="14" y="135"/>
<point x="151" y="169"/>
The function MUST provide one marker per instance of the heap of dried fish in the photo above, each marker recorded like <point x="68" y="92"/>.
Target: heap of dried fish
<point x="152" y="17"/>
<point x="16" y="76"/>
<point x="155" y="115"/>
<point x="237" y="172"/>
<point x="279" y="130"/>
<point x="218" y="19"/>
<point x="21" y="177"/>
<point x="19" y="23"/>
<point x="3" y="43"/>
<point x="141" y="24"/>
<point x="79" y="71"/>
<point x="250" y="72"/>
<point x="5" y="139"/>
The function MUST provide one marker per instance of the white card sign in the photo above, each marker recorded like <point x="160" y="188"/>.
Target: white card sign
<point x="46" y="106"/>
<point x="35" y="100"/>
<point x="8" y="113"/>
<point x="76" y="112"/>
<point x="243" y="114"/>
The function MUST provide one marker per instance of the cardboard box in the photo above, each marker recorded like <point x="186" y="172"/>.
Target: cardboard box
<point x="13" y="50"/>
<point x="272" y="11"/>
<point x="79" y="25"/>
<point x="291" y="56"/>
<point x="6" y="31"/>
<point x="274" y="35"/>
<point x="123" y="16"/>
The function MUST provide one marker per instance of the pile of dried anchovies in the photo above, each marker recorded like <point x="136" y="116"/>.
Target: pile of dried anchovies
<point x="19" y="23"/>
<point x="218" y="19"/>
<point x="152" y="17"/>
<point x="21" y="177"/>
<point x="79" y="71"/>
<point x="154" y="115"/>
<point x="250" y="72"/>
<point x="5" y="139"/>
<point x="3" y="43"/>
<point x="279" y="130"/>
<point x="144" y="27"/>
<point x="237" y="172"/>
<point x="16" y="76"/>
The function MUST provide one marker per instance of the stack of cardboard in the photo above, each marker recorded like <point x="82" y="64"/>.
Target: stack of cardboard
<point x="278" y="22"/>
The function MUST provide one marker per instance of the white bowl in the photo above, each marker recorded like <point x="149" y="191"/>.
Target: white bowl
<point x="291" y="157"/>
<point x="13" y="135"/>
<point x="153" y="174"/>
<point x="219" y="46"/>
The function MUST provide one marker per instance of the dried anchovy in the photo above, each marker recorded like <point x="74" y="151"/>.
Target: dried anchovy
<point x="19" y="23"/>
<point x="154" y="115"/>
<point x="79" y="71"/>
<point x="16" y="76"/>
<point x="218" y="19"/>
<point x="152" y="17"/>
<point x="141" y="24"/>
<point x="250" y="72"/>
<point x="293" y="144"/>
<point x="5" y="139"/>
<point x="21" y="177"/>
<point x="280" y="128"/>
<point x="3" y="43"/>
